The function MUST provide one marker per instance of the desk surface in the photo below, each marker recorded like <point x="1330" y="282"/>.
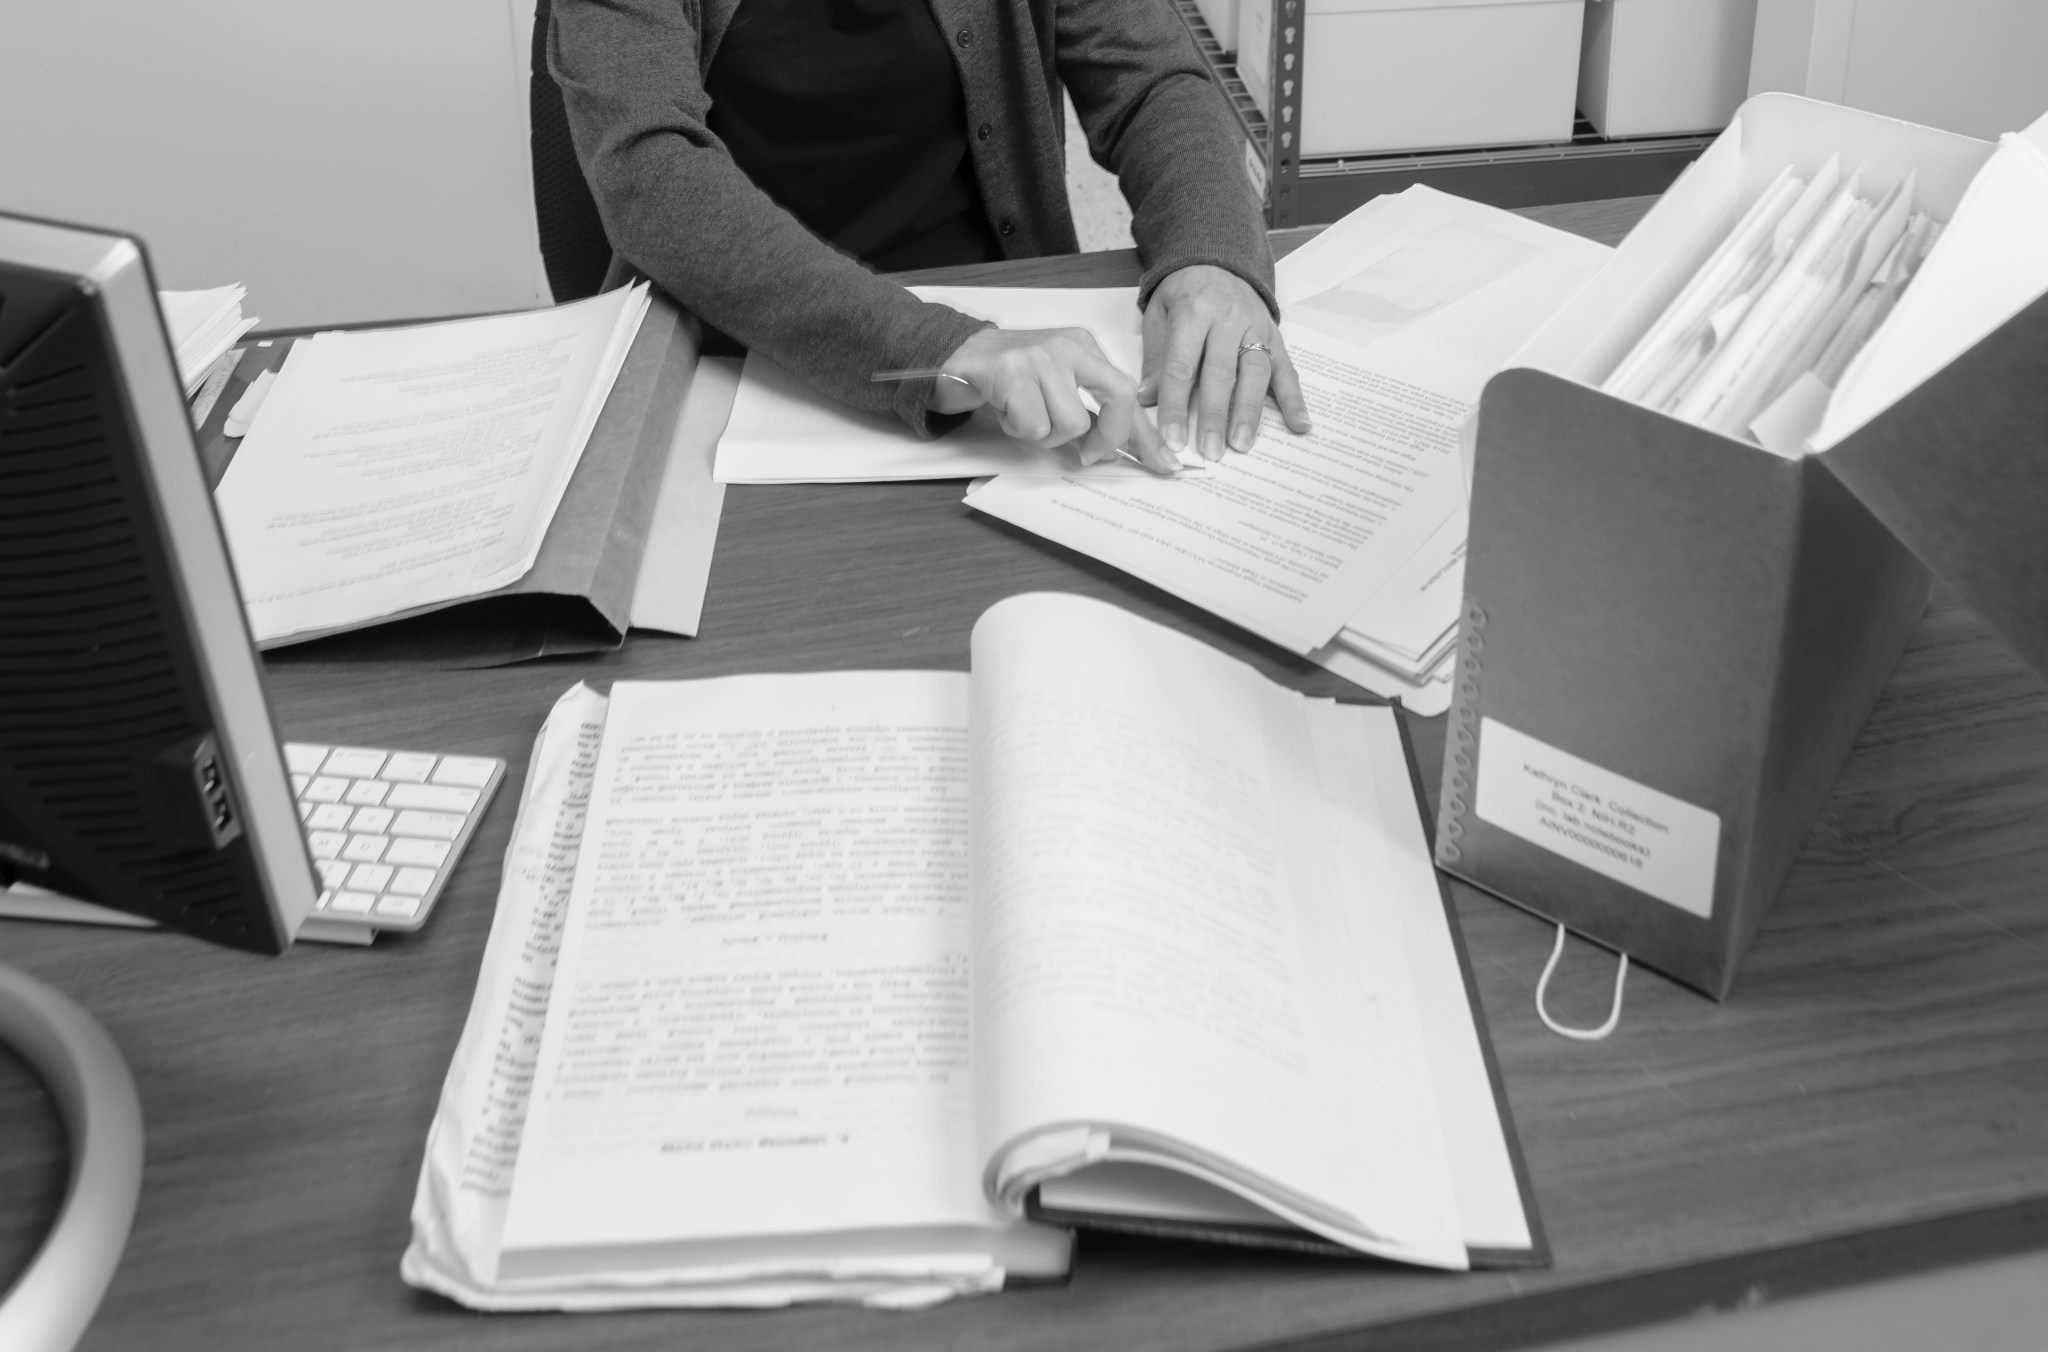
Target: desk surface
<point x="1869" y="1101"/>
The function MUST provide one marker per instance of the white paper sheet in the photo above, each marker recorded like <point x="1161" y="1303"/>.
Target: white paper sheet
<point x="1429" y="696"/>
<point x="683" y="535"/>
<point x="203" y="325"/>
<point x="1292" y="538"/>
<point x="782" y="431"/>
<point x="401" y="468"/>
<point x="1422" y="265"/>
<point x="1410" y="615"/>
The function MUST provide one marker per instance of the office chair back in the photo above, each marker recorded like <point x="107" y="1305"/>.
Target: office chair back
<point x="573" y="246"/>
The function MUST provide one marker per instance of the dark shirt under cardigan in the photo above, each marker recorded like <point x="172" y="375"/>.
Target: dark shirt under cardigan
<point x="849" y="113"/>
<point x="675" y="204"/>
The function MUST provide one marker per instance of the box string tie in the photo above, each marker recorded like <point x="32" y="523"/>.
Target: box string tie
<point x="1543" y="988"/>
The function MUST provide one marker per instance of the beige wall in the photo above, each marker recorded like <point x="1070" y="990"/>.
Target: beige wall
<point x="348" y="162"/>
<point x="1979" y="67"/>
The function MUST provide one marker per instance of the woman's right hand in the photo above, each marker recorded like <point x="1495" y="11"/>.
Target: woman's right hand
<point x="1033" y="379"/>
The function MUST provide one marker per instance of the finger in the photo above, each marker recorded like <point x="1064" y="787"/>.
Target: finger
<point x="1058" y="366"/>
<point x="1152" y="337"/>
<point x="1177" y="369"/>
<point x="1070" y="420"/>
<point x="1150" y="448"/>
<point x="1219" y="378"/>
<point x="1115" y="396"/>
<point x="1287" y="390"/>
<point x="1020" y="410"/>
<point x="1248" y="401"/>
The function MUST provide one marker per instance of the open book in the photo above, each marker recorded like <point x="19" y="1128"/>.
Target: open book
<point x="860" y="971"/>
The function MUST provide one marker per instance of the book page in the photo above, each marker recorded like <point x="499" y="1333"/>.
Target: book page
<point x="1167" y="944"/>
<point x="399" y="468"/>
<point x="759" y="1018"/>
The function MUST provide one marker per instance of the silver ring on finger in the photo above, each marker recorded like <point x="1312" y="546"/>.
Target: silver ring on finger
<point x="1243" y="348"/>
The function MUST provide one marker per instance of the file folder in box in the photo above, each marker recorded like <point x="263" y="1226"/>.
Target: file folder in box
<point x="1671" y="638"/>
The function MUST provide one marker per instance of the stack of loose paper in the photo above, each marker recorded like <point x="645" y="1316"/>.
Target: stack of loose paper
<point x="1758" y="339"/>
<point x="783" y="432"/>
<point x="1345" y="545"/>
<point x="1990" y="262"/>
<point x="203" y="326"/>
<point x="391" y="472"/>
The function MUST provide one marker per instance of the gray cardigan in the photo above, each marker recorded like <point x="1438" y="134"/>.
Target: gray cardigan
<point x="676" y="206"/>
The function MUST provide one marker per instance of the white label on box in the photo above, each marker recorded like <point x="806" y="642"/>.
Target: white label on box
<point x="1612" y="825"/>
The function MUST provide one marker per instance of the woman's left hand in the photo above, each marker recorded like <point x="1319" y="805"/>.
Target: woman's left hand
<point x="1210" y="340"/>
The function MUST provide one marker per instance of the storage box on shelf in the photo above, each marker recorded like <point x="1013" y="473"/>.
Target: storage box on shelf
<point x="1650" y="67"/>
<point x="1305" y="189"/>
<point x="1386" y="75"/>
<point x="1221" y="16"/>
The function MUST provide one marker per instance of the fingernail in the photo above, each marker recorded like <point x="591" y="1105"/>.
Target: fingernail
<point x="1176" y="435"/>
<point x="1212" y="446"/>
<point x="1241" y="437"/>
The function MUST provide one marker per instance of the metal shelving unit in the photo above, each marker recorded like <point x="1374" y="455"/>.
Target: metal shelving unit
<point x="1317" y="190"/>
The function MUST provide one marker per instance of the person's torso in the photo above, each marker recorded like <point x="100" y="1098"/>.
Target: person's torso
<point x="850" y="115"/>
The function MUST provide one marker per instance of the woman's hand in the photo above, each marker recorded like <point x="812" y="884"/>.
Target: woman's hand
<point x="1200" y="325"/>
<point x="1033" y="379"/>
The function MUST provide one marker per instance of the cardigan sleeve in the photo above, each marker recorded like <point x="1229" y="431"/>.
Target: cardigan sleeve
<point x="675" y="205"/>
<point x="1156" y="119"/>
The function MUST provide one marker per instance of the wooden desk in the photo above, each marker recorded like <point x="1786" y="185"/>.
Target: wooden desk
<point x="1870" y="1101"/>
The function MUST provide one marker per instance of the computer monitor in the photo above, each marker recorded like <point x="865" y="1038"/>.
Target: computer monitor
<point x="138" y="765"/>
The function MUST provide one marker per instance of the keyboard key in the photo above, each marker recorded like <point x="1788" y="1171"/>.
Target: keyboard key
<point x="370" y="877"/>
<point x="354" y="761"/>
<point x="411" y="766"/>
<point x="371" y="820"/>
<point x="469" y="771"/>
<point x="366" y="792"/>
<point x="413" y="882"/>
<point x="381" y="826"/>
<point x="427" y="853"/>
<point x="329" y="817"/>
<point x="435" y="797"/>
<point x="437" y="825"/>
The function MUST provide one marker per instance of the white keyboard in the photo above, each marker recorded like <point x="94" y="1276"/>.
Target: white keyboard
<point x="386" y="827"/>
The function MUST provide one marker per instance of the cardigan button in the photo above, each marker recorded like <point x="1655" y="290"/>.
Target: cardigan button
<point x="983" y="132"/>
<point x="964" y="38"/>
<point x="1007" y="228"/>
